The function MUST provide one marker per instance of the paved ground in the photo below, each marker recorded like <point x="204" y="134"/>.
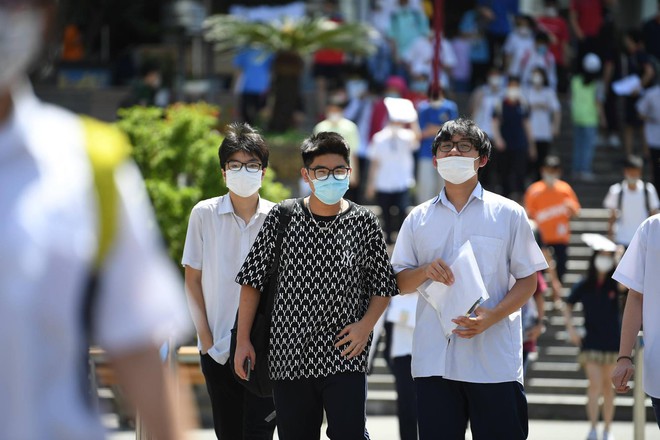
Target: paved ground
<point x="386" y="428"/>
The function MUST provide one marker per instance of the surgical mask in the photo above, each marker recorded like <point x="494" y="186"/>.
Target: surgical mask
<point x="356" y="88"/>
<point x="419" y="86"/>
<point x="21" y="32"/>
<point x="330" y="190"/>
<point x="631" y="180"/>
<point x="542" y="50"/>
<point x="494" y="81"/>
<point x="334" y="116"/>
<point x="393" y="95"/>
<point x="524" y="31"/>
<point x="537" y="79"/>
<point x="603" y="263"/>
<point x="456" y="169"/>
<point x="242" y="182"/>
<point x="513" y="93"/>
<point x="550" y="12"/>
<point x="549" y="178"/>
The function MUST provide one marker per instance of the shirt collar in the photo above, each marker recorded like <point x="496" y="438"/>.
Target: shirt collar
<point x="477" y="193"/>
<point x="225" y="206"/>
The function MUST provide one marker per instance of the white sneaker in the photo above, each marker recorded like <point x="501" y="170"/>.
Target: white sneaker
<point x="593" y="435"/>
<point x="608" y="436"/>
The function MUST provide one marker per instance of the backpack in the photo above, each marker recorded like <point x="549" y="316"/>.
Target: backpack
<point x="647" y="191"/>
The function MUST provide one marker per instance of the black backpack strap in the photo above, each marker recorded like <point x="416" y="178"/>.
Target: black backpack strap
<point x="286" y="210"/>
<point x="647" y="202"/>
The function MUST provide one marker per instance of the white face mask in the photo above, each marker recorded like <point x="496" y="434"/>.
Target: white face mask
<point x="537" y="79"/>
<point x="549" y="178"/>
<point x="242" y="182"/>
<point x="456" y="169"/>
<point x="495" y="81"/>
<point x="631" y="180"/>
<point x="21" y="32"/>
<point x="513" y="93"/>
<point x="603" y="263"/>
<point x="334" y="117"/>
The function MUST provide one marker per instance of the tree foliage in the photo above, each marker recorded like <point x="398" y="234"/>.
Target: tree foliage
<point x="176" y="150"/>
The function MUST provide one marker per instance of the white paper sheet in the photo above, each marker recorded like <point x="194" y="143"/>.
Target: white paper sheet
<point x="627" y="86"/>
<point x="456" y="300"/>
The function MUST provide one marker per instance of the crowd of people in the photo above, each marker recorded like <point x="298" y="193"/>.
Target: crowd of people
<point x="82" y="261"/>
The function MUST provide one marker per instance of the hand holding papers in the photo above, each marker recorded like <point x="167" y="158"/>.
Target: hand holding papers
<point x="463" y="296"/>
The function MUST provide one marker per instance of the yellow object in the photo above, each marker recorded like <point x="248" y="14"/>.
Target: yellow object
<point x="107" y="148"/>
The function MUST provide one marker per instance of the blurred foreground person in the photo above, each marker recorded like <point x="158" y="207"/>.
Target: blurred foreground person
<point x="79" y="260"/>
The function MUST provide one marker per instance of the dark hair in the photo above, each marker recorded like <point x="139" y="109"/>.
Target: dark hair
<point x="542" y="37"/>
<point x="513" y="78"/>
<point x="543" y="73"/>
<point x="635" y="35"/>
<point x="240" y="136"/>
<point x="633" y="162"/>
<point x="467" y="128"/>
<point x="325" y="142"/>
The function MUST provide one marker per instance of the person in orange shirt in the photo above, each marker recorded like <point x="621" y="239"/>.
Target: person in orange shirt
<point x="551" y="203"/>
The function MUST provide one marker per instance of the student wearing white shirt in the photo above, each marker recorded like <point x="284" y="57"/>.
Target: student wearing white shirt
<point x="221" y="231"/>
<point x="630" y="202"/>
<point x="638" y="270"/>
<point x="53" y="231"/>
<point x="476" y="374"/>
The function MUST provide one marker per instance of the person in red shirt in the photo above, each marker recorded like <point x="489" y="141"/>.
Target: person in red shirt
<point x="586" y="19"/>
<point x="557" y="28"/>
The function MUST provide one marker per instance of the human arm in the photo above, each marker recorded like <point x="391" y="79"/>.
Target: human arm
<point x="247" y="309"/>
<point x="356" y="335"/>
<point x="521" y="291"/>
<point x="500" y="143"/>
<point x="374" y="164"/>
<point x="438" y="270"/>
<point x="197" y="305"/>
<point x="150" y="388"/>
<point x="575" y="25"/>
<point x="530" y="139"/>
<point x="573" y="335"/>
<point x="632" y="322"/>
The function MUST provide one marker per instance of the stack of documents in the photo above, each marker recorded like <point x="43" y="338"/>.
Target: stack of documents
<point x="462" y="297"/>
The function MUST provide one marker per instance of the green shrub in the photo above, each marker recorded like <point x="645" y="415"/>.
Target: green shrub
<point x="176" y="150"/>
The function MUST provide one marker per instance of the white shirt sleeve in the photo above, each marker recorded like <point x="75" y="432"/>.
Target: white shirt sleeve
<point x="140" y="300"/>
<point x="612" y="198"/>
<point x="194" y="246"/>
<point x="630" y="271"/>
<point x="525" y="255"/>
<point x="654" y="202"/>
<point x="404" y="255"/>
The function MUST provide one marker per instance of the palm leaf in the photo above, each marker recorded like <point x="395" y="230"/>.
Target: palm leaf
<point x="302" y="36"/>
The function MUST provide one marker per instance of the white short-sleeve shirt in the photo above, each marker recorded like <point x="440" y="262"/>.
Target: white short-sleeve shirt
<point x="504" y="247"/>
<point x="633" y="207"/>
<point x="393" y="149"/>
<point x="638" y="270"/>
<point x="217" y="243"/>
<point x="48" y="241"/>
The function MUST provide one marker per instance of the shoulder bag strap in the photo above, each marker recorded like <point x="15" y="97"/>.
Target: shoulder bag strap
<point x="286" y="209"/>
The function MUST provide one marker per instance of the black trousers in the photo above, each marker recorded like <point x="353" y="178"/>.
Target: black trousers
<point x="496" y="411"/>
<point x="251" y="105"/>
<point x="406" y="399"/>
<point x="237" y="413"/>
<point x="300" y="404"/>
<point x="392" y="222"/>
<point x="560" y="253"/>
<point x="512" y="170"/>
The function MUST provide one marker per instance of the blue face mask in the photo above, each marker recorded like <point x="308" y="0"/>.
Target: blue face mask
<point x="542" y="50"/>
<point x="331" y="190"/>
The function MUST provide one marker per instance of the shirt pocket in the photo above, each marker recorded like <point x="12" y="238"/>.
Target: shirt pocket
<point x="487" y="251"/>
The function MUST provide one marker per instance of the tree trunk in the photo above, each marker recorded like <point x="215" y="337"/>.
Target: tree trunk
<point x="287" y="72"/>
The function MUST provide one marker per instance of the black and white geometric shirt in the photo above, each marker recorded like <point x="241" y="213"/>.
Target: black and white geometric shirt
<point x="328" y="271"/>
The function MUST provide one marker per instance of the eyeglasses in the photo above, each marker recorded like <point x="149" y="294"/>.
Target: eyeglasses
<point x="322" y="173"/>
<point x="461" y="146"/>
<point x="252" y="167"/>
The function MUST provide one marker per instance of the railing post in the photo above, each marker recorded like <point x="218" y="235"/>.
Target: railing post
<point x="639" y="397"/>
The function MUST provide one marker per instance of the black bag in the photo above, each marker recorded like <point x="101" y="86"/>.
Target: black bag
<point x="259" y="382"/>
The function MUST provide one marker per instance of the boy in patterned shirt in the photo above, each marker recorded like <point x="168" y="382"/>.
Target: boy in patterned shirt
<point x="334" y="282"/>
